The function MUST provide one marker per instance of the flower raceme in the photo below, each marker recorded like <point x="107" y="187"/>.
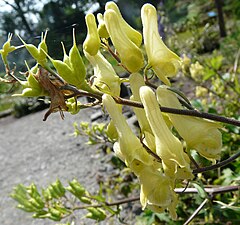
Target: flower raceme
<point x="163" y="61"/>
<point x="200" y="134"/>
<point x="159" y="170"/>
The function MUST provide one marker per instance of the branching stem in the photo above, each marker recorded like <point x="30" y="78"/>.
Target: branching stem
<point x="210" y="191"/>
<point x="185" y="112"/>
<point x="218" y="165"/>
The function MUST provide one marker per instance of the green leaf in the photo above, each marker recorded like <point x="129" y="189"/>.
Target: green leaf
<point x="228" y="206"/>
<point x="200" y="190"/>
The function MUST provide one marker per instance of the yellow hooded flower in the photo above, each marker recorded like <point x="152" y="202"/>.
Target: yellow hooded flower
<point x="92" y="42"/>
<point x="129" y="145"/>
<point x="156" y="190"/>
<point x="136" y="81"/>
<point x="133" y="35"/>
<point x="168" y="147"/>
<point x="163" y="61"/>
<point x="105" y="78"/>
<point x="200" y="134"/>
<point x="130" y="54"/>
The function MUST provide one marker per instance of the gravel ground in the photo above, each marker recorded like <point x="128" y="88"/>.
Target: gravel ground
<point x="35" y="151"/>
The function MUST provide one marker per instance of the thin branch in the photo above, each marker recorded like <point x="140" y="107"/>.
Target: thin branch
<point x="149" y="151"/>
<point x="123" y="101"/>
<point x="196" y="211"/>
<point x="185" y="112"/>
<point x="120" y="202"/>
<point x="211" y="191"/>
<point x="13" y="6"/>
<point x="218" y="165"/>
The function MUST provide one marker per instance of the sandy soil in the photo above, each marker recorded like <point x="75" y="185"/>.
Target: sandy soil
<point x="35" y="151"/>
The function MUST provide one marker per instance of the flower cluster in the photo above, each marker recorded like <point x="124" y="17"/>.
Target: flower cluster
<point x="158" y="157"/>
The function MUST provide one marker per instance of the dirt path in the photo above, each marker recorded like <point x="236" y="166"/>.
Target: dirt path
<point x="35" y="151"/>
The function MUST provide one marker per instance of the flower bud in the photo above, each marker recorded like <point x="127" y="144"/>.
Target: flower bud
<point x="77" y="65"/>
<point x="111" y="131"/>
<point x="102" y="30"/>
<point x="163" y="61"/>
<point x="130" y="54"/>
<point x="92" y="42"/>
<point x="73" y="105"/>
<point x="105" y="78"/>
<point x="133" y="35"/>
<point x="200" y="134"/>
<point x="76" y="188"/>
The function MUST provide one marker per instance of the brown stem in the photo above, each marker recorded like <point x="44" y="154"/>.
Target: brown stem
<point x="211" y="191"/>
<point x="185" y="112"/>
<point x="218" y="165"/>
<point x="123" y="101"/>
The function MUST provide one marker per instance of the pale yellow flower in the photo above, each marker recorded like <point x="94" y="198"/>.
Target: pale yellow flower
<point x="136" y="81"/>
<point x="200" y="134"/>
<point x="163" y="61"/>
<point x="168" y="147"/>
<point x="130" y="54"/>
<point x="92" y="42"/>
<point x="156" y="190"/>
<point x="129" y="145"/>
<point x="105" y="78"/>
<point x="133" y="35"/>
